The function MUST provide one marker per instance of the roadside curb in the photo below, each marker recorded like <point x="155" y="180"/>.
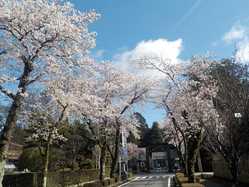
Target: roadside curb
<point x="125" y="182"/>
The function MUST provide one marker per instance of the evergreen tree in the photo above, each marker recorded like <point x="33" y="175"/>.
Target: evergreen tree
<point x="156" y="134"/>
<point x="153" y="136"/>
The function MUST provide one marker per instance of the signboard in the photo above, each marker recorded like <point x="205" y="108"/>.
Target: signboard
<point x="159" y="155"/>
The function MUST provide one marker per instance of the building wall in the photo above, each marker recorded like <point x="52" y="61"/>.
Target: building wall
<point x="168" y="153"/>
<point x="220" y="168"/>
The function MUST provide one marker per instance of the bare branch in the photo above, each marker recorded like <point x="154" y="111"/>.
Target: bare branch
<point x="3" y="52"/>
<point x="6" y="92"/>
<point x="35" y="79"/>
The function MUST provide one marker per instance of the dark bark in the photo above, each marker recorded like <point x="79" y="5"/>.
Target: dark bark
<point x="199" y="162"/>
<point x="183" y="158"/>
<point x="191" y="160"/>
<point x="170" y="166"/>
<point x="186" y="160"/>
<point x="148" y="152"/>
<point x="234" y="169"/>
<point x="102" y="162"/>
<point x="12" y="114"/>
<point x="116" y="153"/>
<point x="193" y="150"/>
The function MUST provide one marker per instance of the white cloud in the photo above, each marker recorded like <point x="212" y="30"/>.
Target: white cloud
<point x="160" y="48"/>
<point x="237" y="32"/>
<point x="242" y="53"/>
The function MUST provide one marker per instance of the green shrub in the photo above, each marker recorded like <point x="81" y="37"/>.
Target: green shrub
<point x="87" y="164"/>
<point x="30" y="159"/>
<point x="106" y="182"/>
<point x="130" y="174"/>
<point x="21" y="179"/>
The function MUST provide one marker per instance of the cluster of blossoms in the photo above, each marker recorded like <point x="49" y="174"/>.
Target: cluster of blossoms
<point x="116" y="93"/>
<point x="48" y="37"/>
<point x="192" y="103"/>
<point x="47" y="43"/>
<point x="44" y="132"/>
<point x="186" y="91"/>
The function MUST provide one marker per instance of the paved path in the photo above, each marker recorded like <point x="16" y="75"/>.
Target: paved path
<point x="151" y="180"/>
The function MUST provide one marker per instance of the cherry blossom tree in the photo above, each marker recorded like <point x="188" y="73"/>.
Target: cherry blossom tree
<point x="117" y="92"/>
<point x="44" y="122"/>
<point x="192" y="108"/>
<point x="227" y="136"/>
<point x="46" y="111"/>
<point x="176" y="137"/>
<point x="38" y="38"/>
<point x="188" y="101"/>
<point x="133" y="90"/>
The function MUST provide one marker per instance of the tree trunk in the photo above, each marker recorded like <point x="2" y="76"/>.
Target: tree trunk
<point x="46" y="162"/>
<point x="169" y="160"/>
<point x="73" y="161"/>
<point x="2" y="164"/>
<point x="148" y="166"/>
<point x="186" y="159"/>
<point x="102" y="162"/>
<point x="200" y="168"/>
<point x="191" y="159"/>
<point x="191" y="170"/>
<point x="193" y="149"/>
<point x="6" y="135"/>
<point x="234" y="169"/>
<point x="181" y="159"/>
<point x="12" y="116"/>
<point x="116" y="153"/>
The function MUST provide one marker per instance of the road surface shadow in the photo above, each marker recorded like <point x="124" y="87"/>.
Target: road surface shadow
<point x="217" y="182"/>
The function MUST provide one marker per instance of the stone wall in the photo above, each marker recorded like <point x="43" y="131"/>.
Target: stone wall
<point x="220" y="169"/>
<point x="55" y="179"/>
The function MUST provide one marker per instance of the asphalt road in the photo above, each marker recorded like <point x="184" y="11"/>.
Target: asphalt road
<point x="151" y="180"/>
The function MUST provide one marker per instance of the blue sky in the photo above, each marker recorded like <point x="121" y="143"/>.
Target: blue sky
<point x="200" y="25"/>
